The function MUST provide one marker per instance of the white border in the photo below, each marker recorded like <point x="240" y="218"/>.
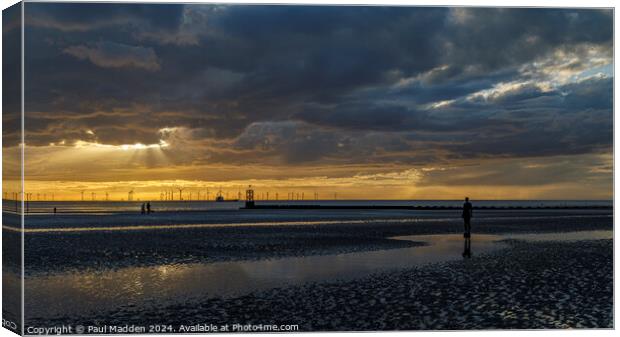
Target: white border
<point x="481" y="3"/>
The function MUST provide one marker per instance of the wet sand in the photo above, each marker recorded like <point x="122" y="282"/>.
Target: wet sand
<point x="229" y="237"/>
<point x="527" y="284"/>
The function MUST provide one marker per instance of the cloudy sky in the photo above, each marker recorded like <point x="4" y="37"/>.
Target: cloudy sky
<point x="368" y="102"/>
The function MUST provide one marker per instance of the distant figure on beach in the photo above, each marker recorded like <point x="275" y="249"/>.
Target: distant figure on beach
<point x="54" y="210"/>
<point x="148" y="207"/>
<point x="468" y="213"/>
<point x="142" y="208"/>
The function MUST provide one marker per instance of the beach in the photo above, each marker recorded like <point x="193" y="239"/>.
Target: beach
<point x="322" y="270"/>
<point x="502" y="291"/>
<point x="192" y="168"/>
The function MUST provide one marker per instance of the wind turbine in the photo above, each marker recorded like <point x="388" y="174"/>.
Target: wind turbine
<point x="180" y="192"/>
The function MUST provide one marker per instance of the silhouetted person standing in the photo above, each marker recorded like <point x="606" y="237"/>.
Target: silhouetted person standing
<point x="468" y="213"/>
<point x="142" y="209"/>
<point x="148" y="207"/>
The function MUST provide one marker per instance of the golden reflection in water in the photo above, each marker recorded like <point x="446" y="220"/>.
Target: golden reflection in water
<point x="76" y="293"/>
<point x="82" y="292"/>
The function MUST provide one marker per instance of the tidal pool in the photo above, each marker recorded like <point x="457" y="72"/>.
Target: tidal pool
<point x="80" y="293"/>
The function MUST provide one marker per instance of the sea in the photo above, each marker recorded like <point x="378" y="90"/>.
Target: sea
<point x="203" y="205"/>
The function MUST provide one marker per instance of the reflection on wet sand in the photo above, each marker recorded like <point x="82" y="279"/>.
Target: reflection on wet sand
<point x="140" y="287"/>
<point x="467" y="247"/>
<point x="73" y="293"/>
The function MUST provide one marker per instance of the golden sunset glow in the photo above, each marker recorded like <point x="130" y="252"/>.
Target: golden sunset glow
<point x="321" y="114"/>
<point x="146" y="170"/>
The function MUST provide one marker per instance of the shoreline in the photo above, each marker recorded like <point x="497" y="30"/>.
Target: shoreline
<point x="323" y="207"/>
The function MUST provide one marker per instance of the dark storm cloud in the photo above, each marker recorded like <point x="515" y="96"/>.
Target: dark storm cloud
<point x="88" y="17"/>
<point x="307" y="83"/>
<point x="445" y="85"/>
<point x="299" y="142"/>
<point x="498" y="38"/>
<point x="116" y="55"/>
<point x="395" y="118"/>
<point x="573" y="119"/>
<point x="525" y="173"/>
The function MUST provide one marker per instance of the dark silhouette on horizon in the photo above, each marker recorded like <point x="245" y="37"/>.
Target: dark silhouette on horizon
<point x="142" y="209"/>
<point x="249" y="197"/>
<point x="148" y="207"/>
<point x="468" y="213"/>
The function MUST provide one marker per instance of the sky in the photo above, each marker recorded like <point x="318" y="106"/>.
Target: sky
<point x="361" y="102"/>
